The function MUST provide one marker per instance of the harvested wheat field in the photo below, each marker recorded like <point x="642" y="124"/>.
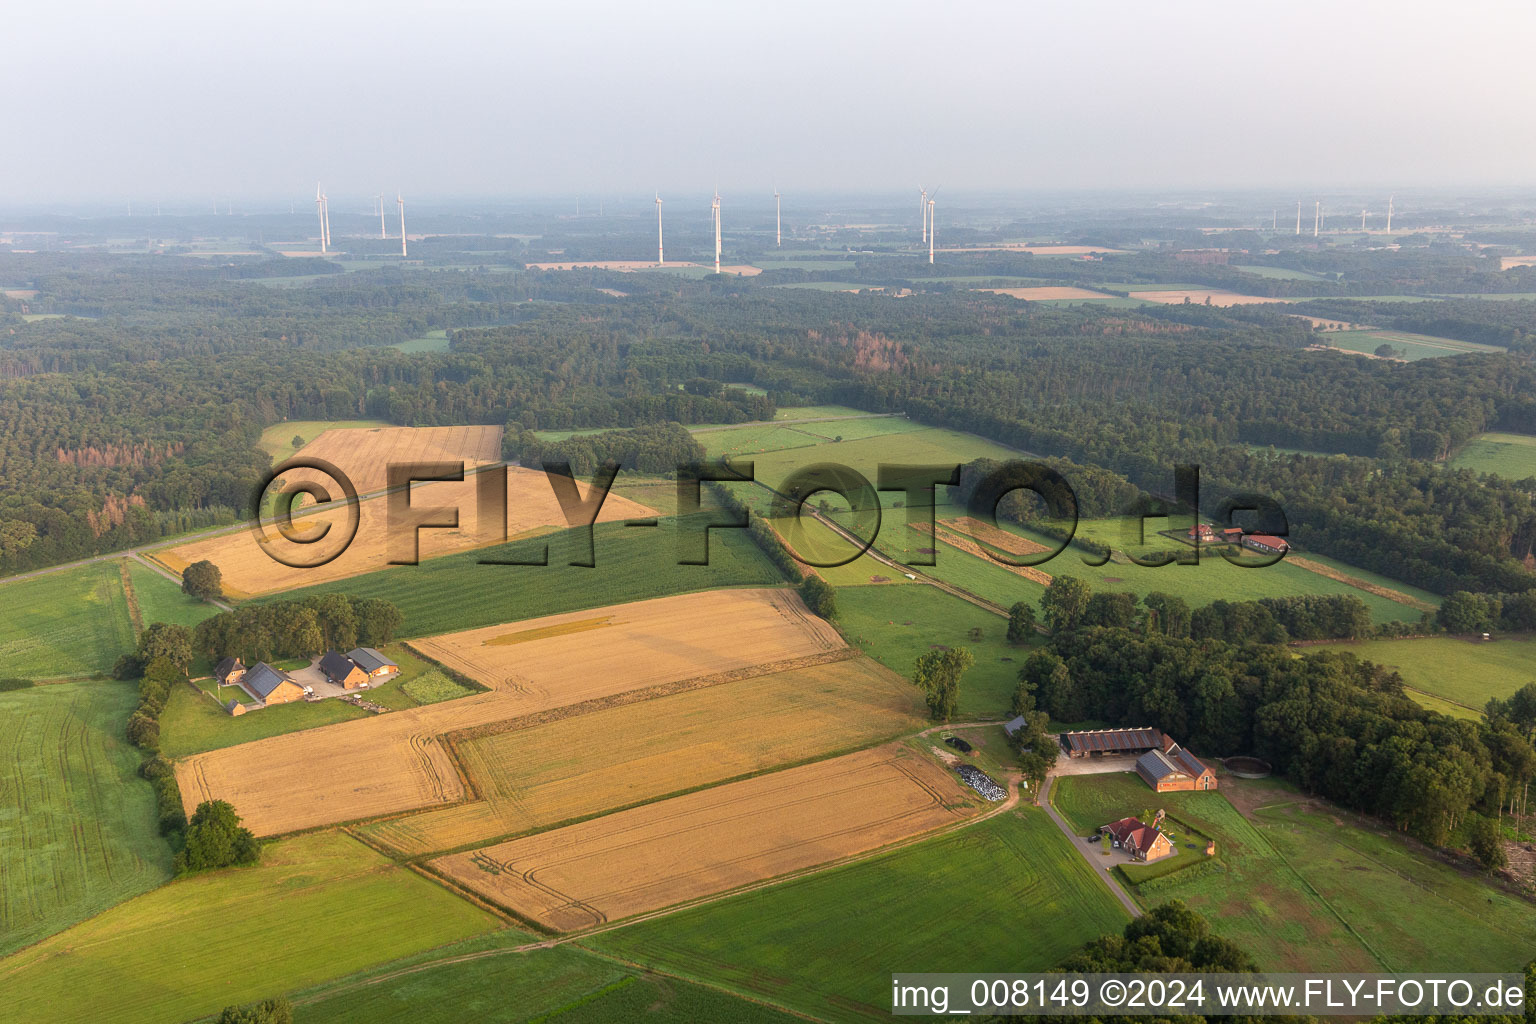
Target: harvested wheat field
<point x="714" y="840"/>
<point x="396" y="762"/>
<point x="646" y="643"/>
<point x="1038" y="250"/>
<point x="249" y="571"/>
<point x="366" y="453"/>
<point x="1047" y="292"/>
<point x="741" y="270"/>
<point x="1198" y="296"/>
<point x="997" y="537"/>
<point x="536" y="777"/>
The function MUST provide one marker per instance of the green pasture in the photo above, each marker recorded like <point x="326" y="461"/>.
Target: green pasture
<point x="1460" y="670"/>
<point x="65" y="624"/>
<point x="1512" y="456"/>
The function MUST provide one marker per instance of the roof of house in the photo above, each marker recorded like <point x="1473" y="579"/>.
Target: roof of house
<point x="225" y="667"/>
<point x="1132" y="830"/>
<point x="1157" y="765"/>
<point x="370" y="660"/>
<point x="1189" y="762"/>
<point x="1267" y="540"/>
<point x="1113" y="739"/>
<point x="1013" y="725"/>
<point x="263" y="679"/>
<point x="335" y="666"/>
<point x="231" y="705"/>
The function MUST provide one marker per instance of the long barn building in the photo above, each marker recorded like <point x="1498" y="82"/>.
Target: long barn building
<point x="1099" y="742"/>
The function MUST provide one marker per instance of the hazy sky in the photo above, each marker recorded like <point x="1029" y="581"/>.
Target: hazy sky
<point x="191" y="100"/>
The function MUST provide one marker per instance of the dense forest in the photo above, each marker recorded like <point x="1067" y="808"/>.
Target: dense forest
<point x="144" y="422"/>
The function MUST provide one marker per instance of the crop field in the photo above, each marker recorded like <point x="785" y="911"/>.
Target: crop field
<point x="1459" y="670"/>
<point x="1512" y="456"/>
<point x="395" y="762"/>
<point x="249" y="570"/>
<point x="77" y="829"/>
<point x="643" y="644"/>
<point x="540" y="776"/>
<point x="65" y="624"/>
<point x="926" y="445"/>
<point x="1409" y="346"/>
<point x="432" y="341"/>
<point x="1283" y="273"/>
<point x="896" y="626"/>
<point x="365" y="454"/>
<point x="1047" y="292"/>
<point x="316" y="908"/>
<point x="277" y="440"/>
<point x="1199" y="296"/>
<point x="459" y="591"/>
<point x="484" y="981"/>
<point x="1007" y="894"/>
<point x="1306" y="886"/>
<point x="160" y="600"/>
<point x="1213" y="579"/>
<point x="713" y="840"/>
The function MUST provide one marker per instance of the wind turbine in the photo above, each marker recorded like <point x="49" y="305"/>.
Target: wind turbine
<point x="1362" y="218"/>
<point x="1389" y="214"/>
<point x="932" y="229"/>
<point x="1298" y="216"/>
<point x="778" y="219"/>
<point x="319" y="212"/>
<point x="380" y="198"/>
<point x="715" y="208"/>
<point x="1317" y="217"/>
<point x="922" y="209"/>
<point x="401" y="203"/>
<point x="661" y="258"/>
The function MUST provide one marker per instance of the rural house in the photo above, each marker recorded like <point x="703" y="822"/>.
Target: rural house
<point x="229" y="671"/>
<point x="372" y="662"/>
<point x="1174" y="769"/>
<point x="270" y="686"/>
<point x="1142" y="842"/>
<point x="340" y="670"/>
<point x="1201" y="533"/>
<point x="1098" y="742"/>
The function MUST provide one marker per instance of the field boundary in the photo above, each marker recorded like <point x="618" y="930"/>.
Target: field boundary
<point x="1359" y="584"/>
<point x="135" y="615"/>
<point x="970" y="547"/>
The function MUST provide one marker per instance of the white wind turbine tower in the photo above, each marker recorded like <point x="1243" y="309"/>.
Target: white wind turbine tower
<point x="778" y="219"/>
<point x="380" y="198"/>
<point x="325" y="214"/>
<point x="1298" y="216"/>
<point x="319" y="212"/>
<point x="401" y="203"/>
<point x="922" y="209"/>
<point x="1389" y="213"/>
<point x="932" y="229"/>
<point x="715" y="208"/>
<point x="1362" y="218"/>
<point x="1317" y="217"/>
<point x="661" y="252"/>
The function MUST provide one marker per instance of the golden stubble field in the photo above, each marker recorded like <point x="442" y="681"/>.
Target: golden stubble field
<point x="714" y="840"/>
<point x="250" y="571"/>
<point x="1198" y="296"/>
<point x="366" y="453"/>
<point x="397" y="762"/>
<point x="540" y="776"/>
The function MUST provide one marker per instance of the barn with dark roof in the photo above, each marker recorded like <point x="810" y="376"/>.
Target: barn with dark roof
<point x="1099" y="742"/>
<point x="1174" y="769"/>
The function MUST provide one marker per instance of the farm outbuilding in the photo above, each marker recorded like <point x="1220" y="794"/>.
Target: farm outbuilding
<point x="1098" y="742"/>
<point x="235" y="708"/>
<point x="1267" y="544"/>
<point x="371" y="662"/>
<point x="270" y="686"/>
<point x="341" y="670"/>
<point x="1174" y="769"/>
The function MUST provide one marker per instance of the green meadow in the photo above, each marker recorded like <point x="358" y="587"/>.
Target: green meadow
<point x="64" y="624"/>
<point x="1007" y="894"/>
<point x="1512" y="456"/>
<point x="1462" y="671"/>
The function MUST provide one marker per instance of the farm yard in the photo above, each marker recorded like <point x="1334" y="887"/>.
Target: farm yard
<point x="78" y="831"/>
<point x="540" y="776"/>
<point x="1462" y="670"/>
<point x="531" y="509"/>
<point x="67" y="624"/>
<point x="396" y="762"/>
<point x="1007" y="894"/>
<point x="1305" y="889"/>
<point x="316" y="908"/>
<point x="713" y="840"/>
